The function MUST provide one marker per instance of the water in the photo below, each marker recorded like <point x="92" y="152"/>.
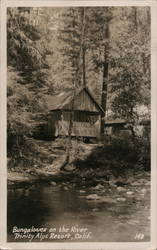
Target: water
<point x="54" y="207"/>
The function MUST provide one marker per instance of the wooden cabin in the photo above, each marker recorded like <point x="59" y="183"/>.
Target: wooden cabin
<point x="113" y="127"/>
<point x="86" y="116"/>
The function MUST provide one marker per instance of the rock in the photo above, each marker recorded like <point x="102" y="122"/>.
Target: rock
<point x="121" y="180"/>
<point x="107" y="200"/>
<point x="53" y="183"/>
<point x="136" y="183"/>
<point x="142" y="181"/>
<point x="10" y="183"/>
<point x="121" y="199"/>
<point x="65" y="188"/>
<point x="95" y="209"/>
<point x="104" y="191"/>
<point x="133" y="222"/>
<point x="143" y="191"/>
<point x="82" y="191"/>
<point x="99" y="186"/>
<point x="121" y="189"/>
<point x="112" y="184"/>
<point x="130" y="180"/>
<point x="147" y="183"/>
<point x="17" y="177"/>
<point x="93" y="197"/>
<point x="28" y="171"/>
<point x="70" y="167"/>
<point x="129" y="193"/>
<point x="138" y="198"/>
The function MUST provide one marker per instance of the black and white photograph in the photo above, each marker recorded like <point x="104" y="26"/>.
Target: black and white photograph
<point x="78" y="124"/>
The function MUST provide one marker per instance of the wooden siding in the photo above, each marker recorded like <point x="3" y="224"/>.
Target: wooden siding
<point x="79" y="129"/>
<point x="80" y="116"/>
<point x="86" y="125"/>
<point x="83" y="102"/>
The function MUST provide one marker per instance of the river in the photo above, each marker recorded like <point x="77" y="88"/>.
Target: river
<point x="56" y="207"/>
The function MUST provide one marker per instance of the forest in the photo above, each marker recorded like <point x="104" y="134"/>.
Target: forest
<point x="50" y="50"/>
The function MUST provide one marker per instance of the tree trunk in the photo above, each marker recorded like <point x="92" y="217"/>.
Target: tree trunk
<point x="84" y="66"/>
<point x="67" y="159"/>
<point x="75" y="80"/>
<point x="105" y="75"/>
<point x="83" y="48"/>
<point x="135" y="20"/>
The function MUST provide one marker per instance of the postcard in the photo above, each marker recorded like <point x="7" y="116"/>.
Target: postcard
<point x="78" y="125"/>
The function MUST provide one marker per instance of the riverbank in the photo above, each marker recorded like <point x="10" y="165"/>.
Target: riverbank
<point x="90" y="164"/>
<point x="86" y="178"/>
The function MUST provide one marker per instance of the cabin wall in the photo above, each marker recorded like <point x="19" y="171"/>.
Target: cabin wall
<point x="86" y="125"/>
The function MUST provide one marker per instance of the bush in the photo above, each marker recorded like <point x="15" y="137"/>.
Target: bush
<point x="119" y="156"/>
<point x="144" y="159"/>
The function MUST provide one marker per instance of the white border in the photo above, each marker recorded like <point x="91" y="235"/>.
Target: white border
<point x="75" y="3"/>
<point x="152" y="245"/>
<point x="154" y="127"/>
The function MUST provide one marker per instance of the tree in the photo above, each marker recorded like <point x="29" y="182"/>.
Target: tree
<point x="75" y="36"/>
<point x="26" y="73"/>
<point x="130" y="77"/>
<point x="27" y="50"/>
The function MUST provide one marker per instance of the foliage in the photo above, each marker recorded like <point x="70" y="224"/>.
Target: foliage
<point x="18" y="105"/>
<point x="119" y="157"/>
<point x="130" y="69"/>
<point x="70" y="37"/>
<point x="144" y="153"/>
<point x="27" y="50"/>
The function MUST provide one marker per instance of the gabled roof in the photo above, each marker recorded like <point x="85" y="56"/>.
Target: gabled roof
<point x="58" y="102"/>
<point x="116" y="121"/>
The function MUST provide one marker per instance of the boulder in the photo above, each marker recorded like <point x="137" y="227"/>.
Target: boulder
<point x="129" y="193"/>
<point x="136" y="183"/>
<point x="93" y="197"/>
<point x="53" y="183"/>
<point x="143" y="191"/>
<point x="99" y="186"/>
<point x="121" y="199"/>
<point x="95" y="209"/>
<point x="121" y="189"/>
<point x="112" y="184"/>
<point x="107" y="200"/>
<point x="82" y="191"/>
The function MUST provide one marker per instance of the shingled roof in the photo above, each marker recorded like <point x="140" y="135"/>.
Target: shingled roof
<point x="58" y="102"/>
